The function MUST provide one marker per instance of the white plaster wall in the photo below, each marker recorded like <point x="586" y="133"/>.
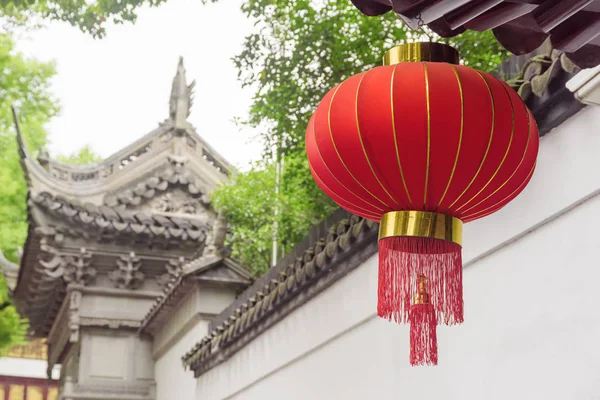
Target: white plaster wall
<point x="187" y="324"/>
<point x="202" y="302"/>
<point x="118" y="307"/>
<point x="184" y="314"/>
<point x="532" y="325"/>
<point x="172" y="381"/>
<point x="10" y="366"/>
<point x="115" y="357"/>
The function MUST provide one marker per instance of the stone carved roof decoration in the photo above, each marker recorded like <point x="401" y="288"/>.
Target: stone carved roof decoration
<point x="539" y="71"/>
<point x="174" y="175"/>
<point x="41" y="308"/>
<point x="540" y="79"/>
<point x="329" y="252"/>
<point x="123" y="222"/>
<point x="128" y="274"/>
<point x="182" y="97"/>
<point x="174" y="268"/>
<point x="206" y="155"/>
<point x="181" y="277"/>
<point x="83" y="175"/>
<point x="74" y="269"/>
<point x="520" y="26"/>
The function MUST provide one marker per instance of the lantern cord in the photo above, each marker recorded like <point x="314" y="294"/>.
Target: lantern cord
<point x="423" y="335"/>
<point x="402" y="259"/>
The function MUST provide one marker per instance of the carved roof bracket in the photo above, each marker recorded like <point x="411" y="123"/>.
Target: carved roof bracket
<point x="174" y="269"/>
<point x="128" y="274"/>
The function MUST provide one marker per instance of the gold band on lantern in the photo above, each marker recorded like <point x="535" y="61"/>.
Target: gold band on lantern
<point x="421" y="51"/>
<point x="421" y="224"/>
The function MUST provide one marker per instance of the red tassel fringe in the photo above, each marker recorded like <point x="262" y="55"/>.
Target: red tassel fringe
<point x="423" y="336"/>
<point x="401" y="259"/>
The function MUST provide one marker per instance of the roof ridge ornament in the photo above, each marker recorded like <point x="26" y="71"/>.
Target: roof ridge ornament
<point x="216" y="238"/>
<point x="182" y="98"/>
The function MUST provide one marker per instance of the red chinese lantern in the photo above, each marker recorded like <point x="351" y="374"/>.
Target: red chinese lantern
<point x="422" y="145"/>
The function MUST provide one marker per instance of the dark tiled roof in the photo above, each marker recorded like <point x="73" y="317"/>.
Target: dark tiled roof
<point x="177" y="289"/>
<point x="520" y="26"/>
<point x="540" y="79"/>
<point x="333" y="248"/>
<point x="112" y="220"/>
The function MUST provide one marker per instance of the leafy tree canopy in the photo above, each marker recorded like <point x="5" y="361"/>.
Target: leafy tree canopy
<point x="26" y="84"/>
<point x="12" y="327"/>
<point x="299" y="50"/>
<point x="89" y="16"/>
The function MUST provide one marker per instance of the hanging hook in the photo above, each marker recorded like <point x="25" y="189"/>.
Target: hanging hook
<point x="420" y="22"/>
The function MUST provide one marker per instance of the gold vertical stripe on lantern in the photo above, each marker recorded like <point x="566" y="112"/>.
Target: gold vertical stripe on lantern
<point x="460" y="136"/>
<point x="338" y="153"/>
<point x="487" y="149"/>
<point x="512" y="134"/>
<point x="514" y="172"/>
<point x="363" y="145"/>
<point x="395" y="136"/>
<point x="376" y="208"/>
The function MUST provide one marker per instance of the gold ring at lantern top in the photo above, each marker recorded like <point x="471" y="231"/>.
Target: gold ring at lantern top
<point x="421" y="224"/>
<point x="421" y="51"/>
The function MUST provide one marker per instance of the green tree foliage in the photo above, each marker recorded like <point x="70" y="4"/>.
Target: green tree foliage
<point x="89" y="16"/>
<point x="252" y="236"/>
<point x="24" y="83"/>
<point x="12" y="327"/>
<point x="300" y="50"/>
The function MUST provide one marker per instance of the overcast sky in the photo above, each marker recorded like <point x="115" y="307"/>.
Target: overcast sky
<point x="114" y="90"/>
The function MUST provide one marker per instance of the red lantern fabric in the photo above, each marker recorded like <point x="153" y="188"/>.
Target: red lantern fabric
<point x="422" y="136"/>
<point x="437" y="142"/>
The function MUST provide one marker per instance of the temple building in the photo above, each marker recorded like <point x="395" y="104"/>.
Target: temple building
<point x="125" y="276"/>
<point x="107" y="241"/>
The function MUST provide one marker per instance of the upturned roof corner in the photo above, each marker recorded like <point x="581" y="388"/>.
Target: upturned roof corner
<point x="182" y="98"/>
<point x="141" y="168"/>
<point x="22" y="145"/>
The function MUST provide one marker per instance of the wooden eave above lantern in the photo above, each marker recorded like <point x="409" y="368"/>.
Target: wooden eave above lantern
<point x="521" y="26"/>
